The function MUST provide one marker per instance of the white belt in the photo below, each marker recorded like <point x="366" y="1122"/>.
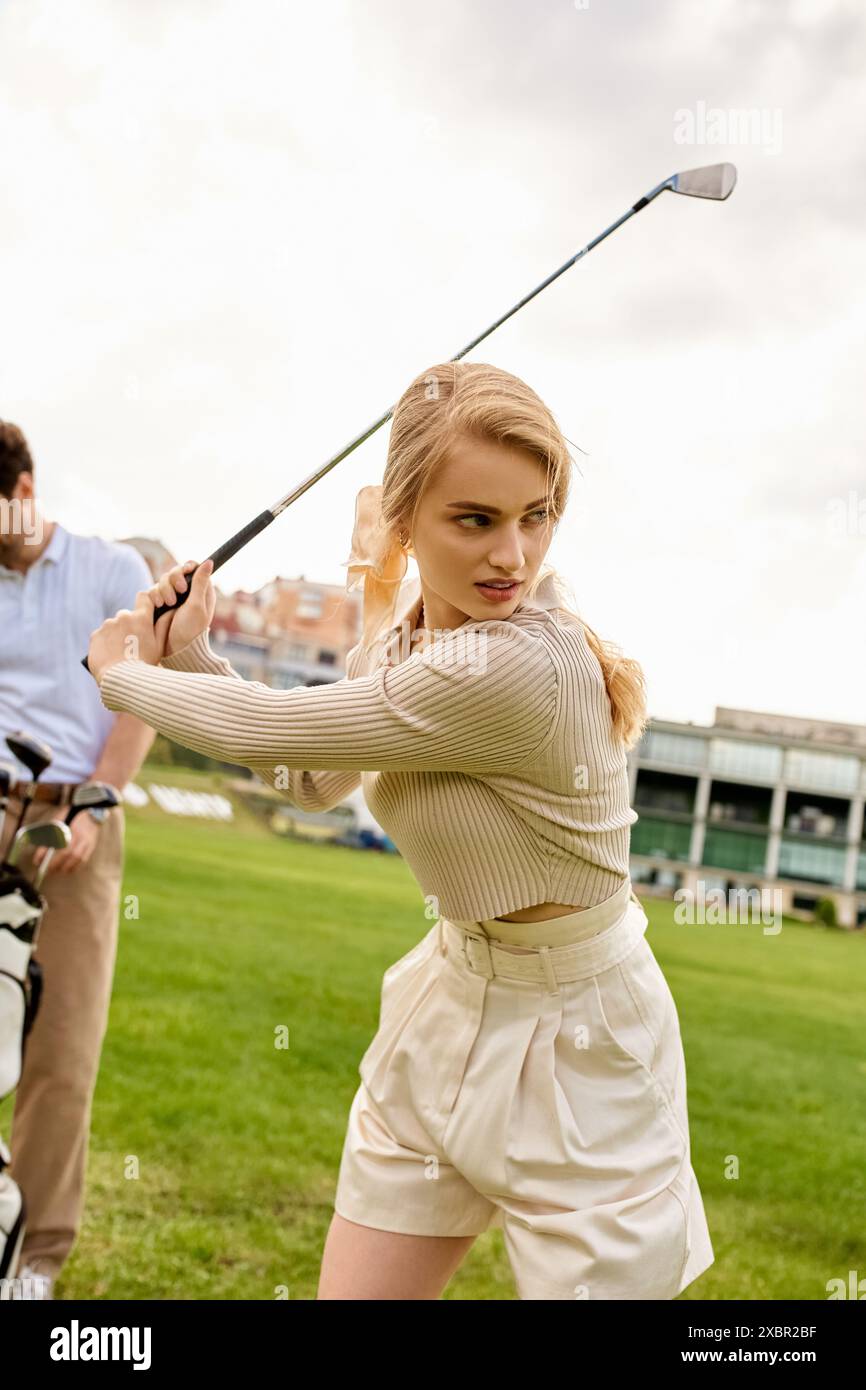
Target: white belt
<point x="550" y="965"/>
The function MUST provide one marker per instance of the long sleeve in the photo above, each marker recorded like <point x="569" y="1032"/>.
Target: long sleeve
<point x="310" y="791"/>
<point x="477" y="701"/>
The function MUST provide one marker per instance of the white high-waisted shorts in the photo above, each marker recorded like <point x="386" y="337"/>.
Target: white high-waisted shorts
<point x="531" y="1076"/>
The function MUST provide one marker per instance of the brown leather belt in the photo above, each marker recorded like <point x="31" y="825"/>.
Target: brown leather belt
<point x="60" y="793"/>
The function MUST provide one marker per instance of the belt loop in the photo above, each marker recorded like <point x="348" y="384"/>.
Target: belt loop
<point x="485" y="965"/>
<point x="549" y="972"/>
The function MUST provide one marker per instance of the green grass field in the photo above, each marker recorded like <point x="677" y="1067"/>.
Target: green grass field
<point x="237" y="1143"/>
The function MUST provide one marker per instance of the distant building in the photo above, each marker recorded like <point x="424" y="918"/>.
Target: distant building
<point x="753" y="800"/>
<point x="155" y="554"/>
<point x="290" y="632"/>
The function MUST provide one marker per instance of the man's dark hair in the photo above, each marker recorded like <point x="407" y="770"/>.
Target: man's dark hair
<point x="14" y="457"/>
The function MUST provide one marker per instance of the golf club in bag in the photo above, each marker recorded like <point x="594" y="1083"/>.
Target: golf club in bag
<point x="713" y="181"/>
<point x="36" y="757"/>
<point x="21" y="910"/>
<point x="91" y="796"/>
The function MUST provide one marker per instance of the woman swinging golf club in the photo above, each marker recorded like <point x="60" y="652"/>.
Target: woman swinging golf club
<point x="528" y="1069"/>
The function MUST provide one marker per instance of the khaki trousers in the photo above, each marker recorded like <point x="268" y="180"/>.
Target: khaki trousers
<point x="76" y="948"/>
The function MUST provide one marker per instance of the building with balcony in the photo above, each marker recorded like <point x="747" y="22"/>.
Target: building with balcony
<point x="753" y="801"/>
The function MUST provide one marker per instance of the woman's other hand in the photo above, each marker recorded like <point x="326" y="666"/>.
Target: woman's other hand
<point x="129" y="636"/>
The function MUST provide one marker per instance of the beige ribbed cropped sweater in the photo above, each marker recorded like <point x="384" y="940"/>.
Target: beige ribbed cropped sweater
<point x="487" y="757"/>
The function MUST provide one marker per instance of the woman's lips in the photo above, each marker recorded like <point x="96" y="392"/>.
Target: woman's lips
<point x="498" y="595"/>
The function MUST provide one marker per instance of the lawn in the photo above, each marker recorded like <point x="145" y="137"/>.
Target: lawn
<point x="214" y="1153"/>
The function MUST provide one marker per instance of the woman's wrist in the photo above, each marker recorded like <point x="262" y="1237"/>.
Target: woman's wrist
<point x="199" y="640"/>
<point x="99" y="675"/>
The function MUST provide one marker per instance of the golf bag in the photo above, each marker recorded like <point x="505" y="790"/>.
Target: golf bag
<point x="21" y="910"/>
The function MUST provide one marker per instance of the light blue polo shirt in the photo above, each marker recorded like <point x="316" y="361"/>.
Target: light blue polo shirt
<point x="46" y="618"/>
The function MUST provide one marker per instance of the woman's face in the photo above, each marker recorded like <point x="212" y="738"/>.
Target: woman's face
<point x="485" y="516"/>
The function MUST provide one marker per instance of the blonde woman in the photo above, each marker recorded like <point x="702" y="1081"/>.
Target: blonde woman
<point x="528" y="1069"/>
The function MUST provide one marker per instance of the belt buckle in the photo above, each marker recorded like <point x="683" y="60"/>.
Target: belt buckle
<point x="486" y="957"/>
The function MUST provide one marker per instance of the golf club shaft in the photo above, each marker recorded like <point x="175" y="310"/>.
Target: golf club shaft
<point x="264" y="519"/>
<point x="26" y="801"/>
<point x="15" y="850"/>
<point x="43" y="869"/>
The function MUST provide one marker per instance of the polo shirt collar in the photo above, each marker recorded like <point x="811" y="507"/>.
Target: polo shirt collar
<point x="56" y="547"/>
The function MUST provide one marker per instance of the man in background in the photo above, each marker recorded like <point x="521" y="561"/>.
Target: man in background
<point x="55" y="588"/>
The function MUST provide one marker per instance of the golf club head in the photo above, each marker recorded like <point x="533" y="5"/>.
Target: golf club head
<point x="711" y="181"/>
<point x="7" y="777"/>
<point x="95" y="796"/>
<point x="61" y="840"/>
<point x="47" y="834"/>
<point x="35" y="756"/>
<point x="55" y="834"/>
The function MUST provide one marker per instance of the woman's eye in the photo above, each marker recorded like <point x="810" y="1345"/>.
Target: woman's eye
<point x="542" y="512"/>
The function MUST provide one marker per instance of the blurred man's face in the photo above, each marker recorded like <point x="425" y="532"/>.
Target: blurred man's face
<point x="21" y="524"/>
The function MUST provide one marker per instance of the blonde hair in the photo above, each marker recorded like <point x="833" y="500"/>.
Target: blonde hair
<point x="475" y="398"/>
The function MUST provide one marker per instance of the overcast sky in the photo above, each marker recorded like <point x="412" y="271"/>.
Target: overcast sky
<point x="234" y="230"/>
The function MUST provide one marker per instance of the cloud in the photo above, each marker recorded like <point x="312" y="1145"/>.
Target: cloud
<point x="233" y="234"/>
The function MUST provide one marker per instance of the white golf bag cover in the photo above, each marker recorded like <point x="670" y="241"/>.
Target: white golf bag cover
<point x="13" y="1215"/>
<point x="21" y="909"/>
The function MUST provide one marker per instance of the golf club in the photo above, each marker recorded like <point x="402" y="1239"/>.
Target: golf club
<point x="49" y="834"/>
<point x="94" y="796"/>
<point x="60" y="842"/>
<point x="7" y="777"/>
<point x="714" y="181"/>
<point x="36" y="757"/>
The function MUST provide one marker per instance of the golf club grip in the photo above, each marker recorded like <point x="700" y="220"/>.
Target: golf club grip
<point x="219" y="557"/>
